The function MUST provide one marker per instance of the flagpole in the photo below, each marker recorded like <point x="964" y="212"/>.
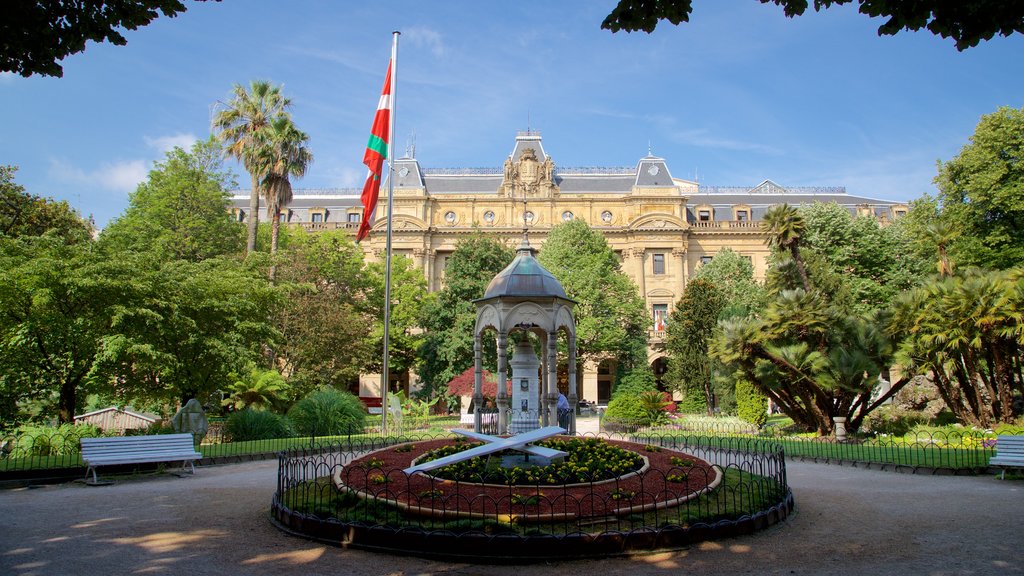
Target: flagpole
<point x="385" y="376"/>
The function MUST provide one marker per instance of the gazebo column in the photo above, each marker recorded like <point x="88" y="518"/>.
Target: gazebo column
<point x="552" y="388"/>
<point x="502" y="395"/>
<point x="478" y="394"/>
<point x="573" y="397"/>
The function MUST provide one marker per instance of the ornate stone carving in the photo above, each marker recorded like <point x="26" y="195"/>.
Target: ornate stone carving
<point x="529" y="177"/>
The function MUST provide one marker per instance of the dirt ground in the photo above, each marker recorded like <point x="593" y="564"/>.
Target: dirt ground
<point x="848" y="521"/>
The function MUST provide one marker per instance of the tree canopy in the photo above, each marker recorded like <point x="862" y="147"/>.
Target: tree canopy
<point x="967" y="22"/>
<point x="36" y="34"/>
<point x="23" y="214"/>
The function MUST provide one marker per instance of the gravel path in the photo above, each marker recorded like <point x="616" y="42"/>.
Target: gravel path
<point x="848" y="521"/>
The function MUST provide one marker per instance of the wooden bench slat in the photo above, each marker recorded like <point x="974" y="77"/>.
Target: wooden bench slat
<point x="138" y="449"/>
<point x="1009" y="453"/>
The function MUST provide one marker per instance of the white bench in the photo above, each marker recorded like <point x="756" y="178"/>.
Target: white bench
<point x="1009" y="453"/>
<point x="138" y="449"/>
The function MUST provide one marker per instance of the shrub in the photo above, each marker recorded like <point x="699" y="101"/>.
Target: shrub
<point x="328" y="412"/>
<point x="252" y="424"/>
<point x="893" y="420"/>
<point x="751" y="405"/>
<point x="52" y="440"/>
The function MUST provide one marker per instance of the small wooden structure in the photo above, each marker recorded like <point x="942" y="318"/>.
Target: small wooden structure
<point x="114" y="418"/>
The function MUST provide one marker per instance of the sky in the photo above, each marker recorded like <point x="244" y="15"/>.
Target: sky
<point x="738" y="95"/>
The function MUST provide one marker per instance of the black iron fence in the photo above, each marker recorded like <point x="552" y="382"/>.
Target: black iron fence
<point x="692" y="491"/>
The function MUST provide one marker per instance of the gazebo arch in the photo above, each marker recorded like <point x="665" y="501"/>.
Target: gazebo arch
<point x="524" y="297"/>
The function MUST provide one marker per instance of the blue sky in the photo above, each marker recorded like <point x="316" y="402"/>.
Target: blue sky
<point x="738" y="95"/>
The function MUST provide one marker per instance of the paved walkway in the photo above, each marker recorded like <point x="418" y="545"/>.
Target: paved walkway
<point x="848" y="521"/>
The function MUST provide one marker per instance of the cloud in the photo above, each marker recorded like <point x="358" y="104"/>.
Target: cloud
<point x="701" y="138"/>
<point x="426" y="38"/>
<point x="123" y="176"/>
<point x="167" y="143"/>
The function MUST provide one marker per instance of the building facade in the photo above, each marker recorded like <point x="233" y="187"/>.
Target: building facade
<point x="662" y="228"/>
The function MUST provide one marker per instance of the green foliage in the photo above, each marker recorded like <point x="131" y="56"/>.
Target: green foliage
<point x="690" y="327"/>
<point x="625" y="409"/>
<point x="51" y="440"/>
<point x="637" y="382"/>
<point x="40" y="34"/>
<point x="751" y="405"/>
<point x="325" y="332"/>
<point x="409" y="300"/>
<point x="449" y="319"/>
<point x="981" y="192"/>
<point x="965" y="332"/>
<point x="249" y="424"/>
<point x="967" y="21"/>
<point x="328" y="412"/>
<point x="23" y="214"/>
<point x="180" y="211"/>
<point x="733" y="276"/>
<point x="611" y="317"/>
<point x="255" y="388"/>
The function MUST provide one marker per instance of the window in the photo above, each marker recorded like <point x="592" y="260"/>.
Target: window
<point x="489" y="216"/>
<point x="606" y="216"/>
<point x="449" y="217"/>
<point x="567" y="215"/>
<point x="901" y="213"/>
<point x="241" y="215"/>
<point x="528" y="216"/>
<point x="705" y="259"/>
<point x="660" y="312"/>
<point x="704" y="215"/>
<point x="317" y="217"/>
<point x="742" y="215"/>
<point x="353" y="216"/>
<point x="659" y="263"/>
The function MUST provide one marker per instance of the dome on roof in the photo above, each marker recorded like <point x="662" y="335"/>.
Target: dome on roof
<point x="525" y="277"/>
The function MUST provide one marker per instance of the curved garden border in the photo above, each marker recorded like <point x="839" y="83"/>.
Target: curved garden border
<point x="622" y="536"/>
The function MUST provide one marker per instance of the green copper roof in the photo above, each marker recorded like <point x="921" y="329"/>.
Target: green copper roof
<point x="524" y="277"/>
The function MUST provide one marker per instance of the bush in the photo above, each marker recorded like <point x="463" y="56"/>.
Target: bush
<point x="751" y="405"/>
<point x="893" y="420"/>
<point x="52" y="440"/>
<point x="249" y="424"/>
<point x="328" y="412"/>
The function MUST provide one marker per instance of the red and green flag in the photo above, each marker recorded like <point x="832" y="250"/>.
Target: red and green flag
<point x="376" y="153"/>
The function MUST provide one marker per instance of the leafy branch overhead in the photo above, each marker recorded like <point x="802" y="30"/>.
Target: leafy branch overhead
<point x="967" y="22"/>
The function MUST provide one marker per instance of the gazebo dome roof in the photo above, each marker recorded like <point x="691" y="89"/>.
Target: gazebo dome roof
<point x="525" y="278"/>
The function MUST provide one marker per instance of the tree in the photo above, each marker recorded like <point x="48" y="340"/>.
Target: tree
<point x="409" y="298"/>
<point x="191" y="325"/>
<point x="242" y="125"/>
<point x="450" y="318"/>
<point x="965" y="21"/>
<point x="981" y="192"/>
<point x="784" y="226"/>
<point x="22" y="214"/>
<point x="55" y="302"/>
<point x="966" y="332"/>
<point x="611" y="318"/>
<point x="733" y="276"/>
<point x="255" y="388"/>
<point x="36" y="34"/>
<point x="690" y="328"/>
<point x="285" y="156"/>
<point x="180" y="211"/>
<point x="325" y="330"/>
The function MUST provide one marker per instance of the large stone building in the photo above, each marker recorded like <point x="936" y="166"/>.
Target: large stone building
<point x="663" y="228"/>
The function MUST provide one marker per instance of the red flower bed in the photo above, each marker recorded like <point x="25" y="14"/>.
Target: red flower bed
<point x="663" y="483"/>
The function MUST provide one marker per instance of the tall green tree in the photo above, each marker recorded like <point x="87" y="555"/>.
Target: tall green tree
<point x="191" y="325"/>
<point x="611" y="318"/>
<point x="325" y="328"/>
<point x="55" y="303"/>
<point x="733" y="276"/>
<point x="180" y="211"/>
<point x="966" y="331"/>
<point x="409" y="299"/>
<point x="965" y="21"/>
<point x="981" y="192"/>
<point x="24" y="214"/>
<point x="692" y="324"/>
<point x="284" y="157"/>
<point x="449" y="319"/>
<point x="242" y="125"/>
<point x="784" y="227"/>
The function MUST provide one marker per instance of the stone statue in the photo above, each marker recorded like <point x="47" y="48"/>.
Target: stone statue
<point x="190" y="419"/>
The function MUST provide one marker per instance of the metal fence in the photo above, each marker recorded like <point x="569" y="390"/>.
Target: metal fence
<point x="362" y="499"/>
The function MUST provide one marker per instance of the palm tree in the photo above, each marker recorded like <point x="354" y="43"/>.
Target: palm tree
<point x="240" y="126"/>
<point x="785" y="227"/>
<point x="941" y="234"/>
<point x="283" y="156"/>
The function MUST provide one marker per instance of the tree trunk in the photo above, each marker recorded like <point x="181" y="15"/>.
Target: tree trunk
<point x="254" y="216"/>
<point x="67" y="401"/>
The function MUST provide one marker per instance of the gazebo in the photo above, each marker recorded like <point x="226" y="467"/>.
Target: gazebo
<point x="524" y="297"/>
